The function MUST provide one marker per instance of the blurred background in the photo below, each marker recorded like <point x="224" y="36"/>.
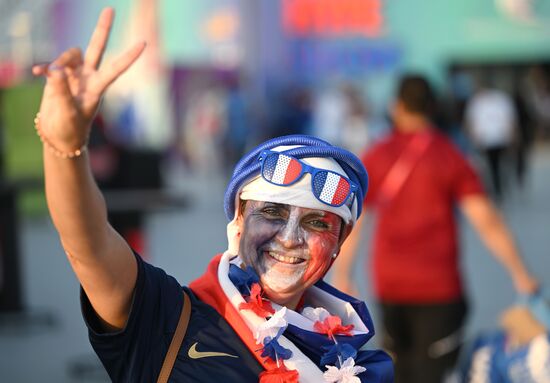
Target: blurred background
<point x="217" y="77"/>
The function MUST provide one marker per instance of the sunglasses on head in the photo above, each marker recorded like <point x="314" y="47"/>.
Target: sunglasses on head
<point x="327" y="186"/>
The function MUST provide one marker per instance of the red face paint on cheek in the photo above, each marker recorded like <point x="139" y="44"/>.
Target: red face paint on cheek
<point x="321" y="247"/>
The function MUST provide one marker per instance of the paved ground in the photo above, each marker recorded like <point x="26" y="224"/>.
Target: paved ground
<point x="49" y="343"/>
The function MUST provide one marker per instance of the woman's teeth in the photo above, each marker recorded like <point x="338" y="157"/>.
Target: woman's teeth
<point x="285" y="259"/>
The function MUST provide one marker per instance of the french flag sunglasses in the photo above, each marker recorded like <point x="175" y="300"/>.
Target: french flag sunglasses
<point x="327" y="186"/>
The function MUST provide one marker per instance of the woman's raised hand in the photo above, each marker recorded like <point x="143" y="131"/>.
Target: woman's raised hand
<point x="75" y="85"/>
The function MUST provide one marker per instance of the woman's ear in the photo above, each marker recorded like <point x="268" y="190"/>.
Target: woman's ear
<point x="344" y="232"/>
<point x="239" y="223"/>
<point x="240" y="215"/>
<point x="235" y="228"/>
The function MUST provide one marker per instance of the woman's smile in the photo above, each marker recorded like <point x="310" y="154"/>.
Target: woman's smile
<point x="286" y="259"/>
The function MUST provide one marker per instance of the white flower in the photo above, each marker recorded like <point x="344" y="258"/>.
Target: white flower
<point x="271" y="326"/>
<point x="346" y="373"/>
<point x="315" y="314"/>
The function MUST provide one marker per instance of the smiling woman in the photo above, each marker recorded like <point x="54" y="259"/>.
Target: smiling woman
<point x="261" y="312"/>
<point x="283" y="236"/>
<point x="290" y="247"/>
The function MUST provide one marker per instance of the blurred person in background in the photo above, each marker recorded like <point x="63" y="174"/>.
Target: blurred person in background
<point x="117" y="168"/>
<point x="417" y="178"/>
<point x="293" y="113"/>
<point x="205" y="126"/>
<point x="355" y="132"/>
<point x="340" y="116"/>
<point x="536" y="90"/>
<point x="491" y="121"/>
<point x="525" y="135"/>
<point x="261" y="312"/>
<point x="236" y="135"/>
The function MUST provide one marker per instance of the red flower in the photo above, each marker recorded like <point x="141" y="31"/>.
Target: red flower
<point x="256" y="303"/>
<point x="332" y="325"/>
<point x="279" y="375"/>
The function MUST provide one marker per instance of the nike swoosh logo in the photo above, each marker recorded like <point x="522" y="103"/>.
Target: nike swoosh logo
<point x="194" y="354"/>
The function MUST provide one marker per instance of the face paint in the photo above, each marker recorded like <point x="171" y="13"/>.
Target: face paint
<point x="290" y="247"/>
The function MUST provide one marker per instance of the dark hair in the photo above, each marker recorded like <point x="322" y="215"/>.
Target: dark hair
<point x="416" y="95"/>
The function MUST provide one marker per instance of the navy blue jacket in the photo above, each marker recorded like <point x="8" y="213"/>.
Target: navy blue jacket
<point x="136" y="353"/>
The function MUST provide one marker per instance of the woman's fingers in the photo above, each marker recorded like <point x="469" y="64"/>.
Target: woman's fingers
<point x="71" y="58"/>
<point x="59" y="72"/>
<point x="40" y="69"/>
<point x="99" y="38"/>
<point x="111" y="72"/>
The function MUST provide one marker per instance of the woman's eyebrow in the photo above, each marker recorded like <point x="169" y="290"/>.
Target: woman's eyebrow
<point x="279" y="205"/>
<point x="321" y="213"/>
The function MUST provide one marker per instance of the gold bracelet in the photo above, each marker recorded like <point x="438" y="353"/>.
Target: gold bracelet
<point x="56" y="152"/>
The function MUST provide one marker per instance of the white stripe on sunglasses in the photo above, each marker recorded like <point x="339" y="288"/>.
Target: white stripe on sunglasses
<point x="280" y="169"/>
<point x="329" y="188"/>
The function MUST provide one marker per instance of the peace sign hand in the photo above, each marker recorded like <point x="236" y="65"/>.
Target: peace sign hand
<point x="75" y="85"/>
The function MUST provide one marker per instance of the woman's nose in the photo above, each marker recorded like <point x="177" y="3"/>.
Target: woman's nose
<point x="291" y="235"/>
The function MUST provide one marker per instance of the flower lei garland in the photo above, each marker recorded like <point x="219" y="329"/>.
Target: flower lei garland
<point x="338" y="359"/>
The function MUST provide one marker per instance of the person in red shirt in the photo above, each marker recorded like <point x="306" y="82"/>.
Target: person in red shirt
<point x="417" y="179"/>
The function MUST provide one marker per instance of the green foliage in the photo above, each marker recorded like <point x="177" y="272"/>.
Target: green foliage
<point x="22" y="148"/>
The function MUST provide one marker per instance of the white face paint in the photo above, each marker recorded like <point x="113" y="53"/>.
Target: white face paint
<point x="280" y="282"/>
<point x="289" y="247"/>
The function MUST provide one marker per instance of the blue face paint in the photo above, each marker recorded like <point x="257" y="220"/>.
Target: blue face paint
<point x="290" y="247"/>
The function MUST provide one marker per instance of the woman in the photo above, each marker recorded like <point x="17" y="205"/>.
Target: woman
<point x="261" y="311"/>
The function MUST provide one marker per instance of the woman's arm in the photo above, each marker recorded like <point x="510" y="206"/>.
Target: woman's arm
<point x="492" y="230"/>
<point x="101" y="259"/>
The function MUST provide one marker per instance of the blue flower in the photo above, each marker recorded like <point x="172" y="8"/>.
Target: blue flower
<point x="331" y="354"/>
<point x="243" y="279"/>
<point x="273" y="349"/>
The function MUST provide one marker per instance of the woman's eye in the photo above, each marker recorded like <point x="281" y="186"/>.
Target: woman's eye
<point x="318" y="224"/>
<point x="272" y="212"/>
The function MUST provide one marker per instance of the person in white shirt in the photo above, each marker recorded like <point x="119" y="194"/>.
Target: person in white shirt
<point x="491" y="120"/>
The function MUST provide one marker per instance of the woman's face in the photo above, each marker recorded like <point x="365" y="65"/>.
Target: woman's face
<point x="290" y="247"/>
